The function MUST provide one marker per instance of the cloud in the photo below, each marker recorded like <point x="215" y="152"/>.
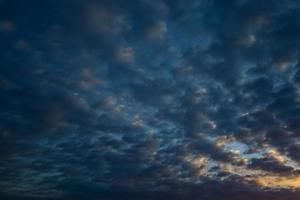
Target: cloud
<point x="279" y="182"/>
<point x="105" y="20"/>
<point x="149" y="100"/>
<point x="157" y="31"/>
<point x="6" y="26"/>
<point x="125" y="54"/>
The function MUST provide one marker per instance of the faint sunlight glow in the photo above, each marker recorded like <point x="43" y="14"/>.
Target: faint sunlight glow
<point x="276" y="155"/>
<point x="279" y="181"/>
<point x="199" y="162"/>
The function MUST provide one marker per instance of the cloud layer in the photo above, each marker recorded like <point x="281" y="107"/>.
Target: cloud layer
<point x="150" y="99"/>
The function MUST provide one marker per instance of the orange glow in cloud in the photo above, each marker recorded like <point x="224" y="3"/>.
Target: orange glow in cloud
<point x="279" y="181"/>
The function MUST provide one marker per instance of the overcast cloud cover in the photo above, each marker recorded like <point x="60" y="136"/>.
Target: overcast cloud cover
<point x="150" y="99"/>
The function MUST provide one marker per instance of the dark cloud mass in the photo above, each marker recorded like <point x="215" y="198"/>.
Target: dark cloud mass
<point x="150" y="99"/>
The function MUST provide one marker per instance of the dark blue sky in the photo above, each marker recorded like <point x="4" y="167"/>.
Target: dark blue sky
<point x="150" y="99"/>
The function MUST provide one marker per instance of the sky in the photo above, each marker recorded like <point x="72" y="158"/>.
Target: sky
<point x="149" y="99"/>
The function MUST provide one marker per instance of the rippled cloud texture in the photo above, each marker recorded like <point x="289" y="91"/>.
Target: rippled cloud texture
<point x="150" y="99"/>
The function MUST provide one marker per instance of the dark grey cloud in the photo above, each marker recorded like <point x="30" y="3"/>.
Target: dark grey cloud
<point x="268" y="164"/>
